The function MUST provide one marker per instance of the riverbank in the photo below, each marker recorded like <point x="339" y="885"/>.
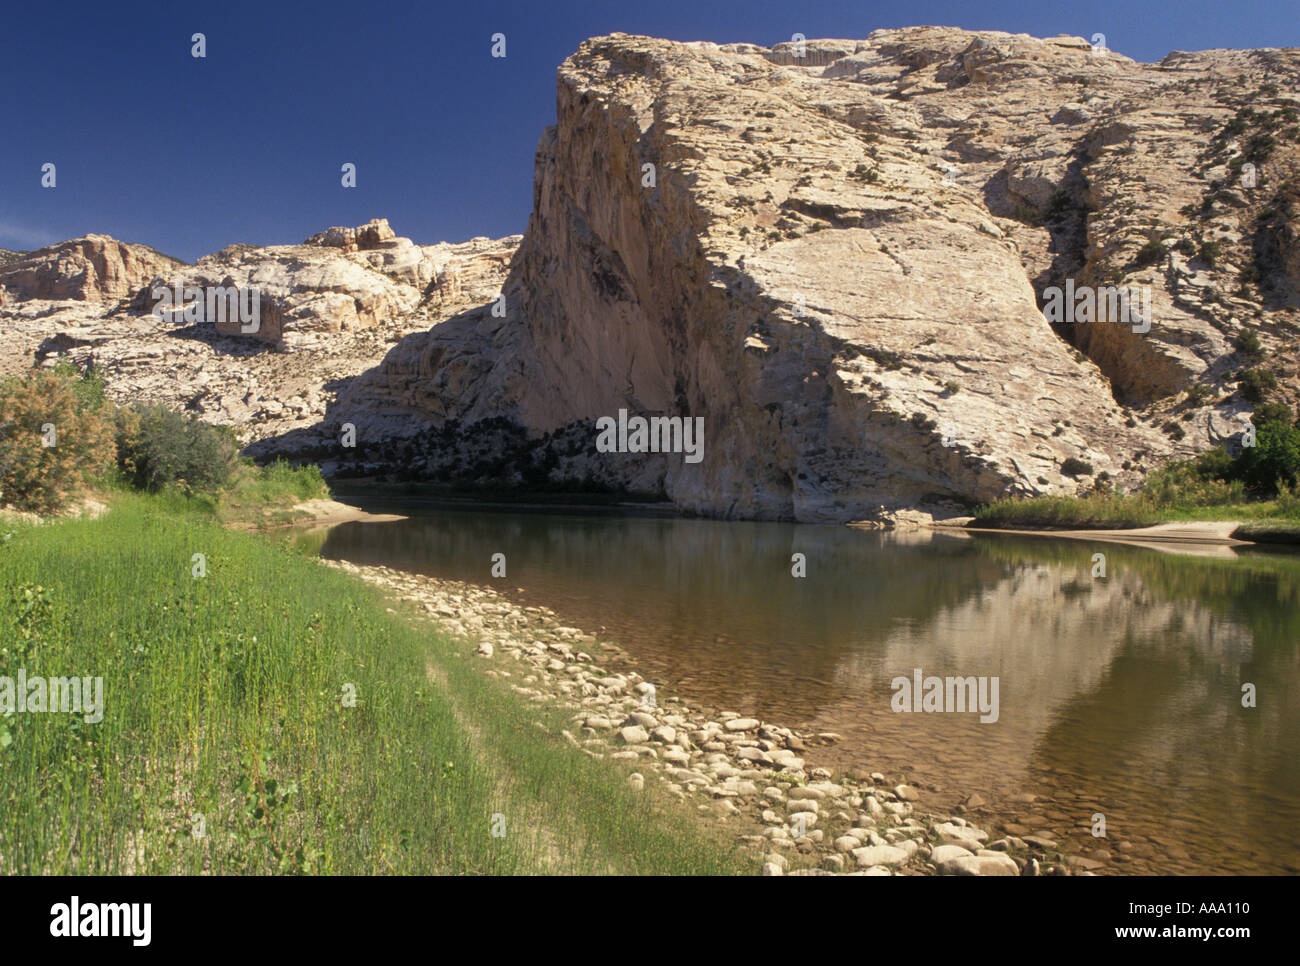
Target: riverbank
<point x="756" y="781"/>
<point x="1211" y="514"/>
<point x="265" y="714"/>
<point x="1175" y="536"/>
<point x="328" y="513"/>
<point x="1208" y="538"/>
<point x="559" y="731"/>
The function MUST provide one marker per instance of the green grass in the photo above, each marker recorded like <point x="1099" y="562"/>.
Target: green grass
<point x="223" y="698"/>
<point x="1174" y="493"/>
<point x="1100" y="512"/>
<point x="264" y="495"/>
<point x="1064" y="512"/>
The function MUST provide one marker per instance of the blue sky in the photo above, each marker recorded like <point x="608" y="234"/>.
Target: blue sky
<point x="155" y="146"/>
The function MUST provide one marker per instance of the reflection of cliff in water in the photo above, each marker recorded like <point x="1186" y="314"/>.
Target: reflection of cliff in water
<point x="1120" y="695"/>
<point x="721" y="593"/>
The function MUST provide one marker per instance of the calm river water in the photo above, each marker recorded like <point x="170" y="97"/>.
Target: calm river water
<point x="1120" y="695"/>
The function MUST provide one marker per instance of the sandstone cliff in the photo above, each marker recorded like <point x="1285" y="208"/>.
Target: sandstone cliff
<point x="838" y="257"/>
<point x="838" y="261"/>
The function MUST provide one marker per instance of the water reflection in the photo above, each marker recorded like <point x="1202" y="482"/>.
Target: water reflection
<point x="1119" y="695"/>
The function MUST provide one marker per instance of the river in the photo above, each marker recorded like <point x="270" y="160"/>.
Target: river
<point x="1119" y="696"/>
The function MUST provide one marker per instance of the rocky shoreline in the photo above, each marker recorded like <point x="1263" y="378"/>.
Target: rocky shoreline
<point x="753" y="778"/>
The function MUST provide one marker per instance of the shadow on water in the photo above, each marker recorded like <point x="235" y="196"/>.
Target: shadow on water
<point x="1119" y="695"/>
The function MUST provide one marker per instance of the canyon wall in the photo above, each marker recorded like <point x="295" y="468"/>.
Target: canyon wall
<point x="836" y="256"/>
<point x="838" y="260"/>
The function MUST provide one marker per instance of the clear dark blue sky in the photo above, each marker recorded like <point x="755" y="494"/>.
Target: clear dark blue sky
<point x="154" y="146"/>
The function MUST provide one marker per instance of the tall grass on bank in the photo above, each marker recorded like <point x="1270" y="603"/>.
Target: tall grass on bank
<point x="226" y="745"/>
<point x="259" y="496"/>
<point x="1259" y="482"/>
<point x="1174" y="493"/>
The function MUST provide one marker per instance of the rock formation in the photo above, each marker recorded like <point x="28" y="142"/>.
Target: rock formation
<point x="839" y="259"/>
<point x="328" y="311"/>
<point x="94" y="268"/>
<point x="836" y="254"/>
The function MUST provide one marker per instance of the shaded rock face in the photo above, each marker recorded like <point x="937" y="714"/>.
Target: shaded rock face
<point x="94" y="268"/>
<point x="1284" y="234"/>
<point x="839" y="260"/>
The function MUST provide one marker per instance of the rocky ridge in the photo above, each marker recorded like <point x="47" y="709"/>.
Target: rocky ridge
<point x="328" y="311"/>
<point x="93" y="268"/>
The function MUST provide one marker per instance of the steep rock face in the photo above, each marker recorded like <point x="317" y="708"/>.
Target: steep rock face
<point x="94" y="268"/>
<point x="838" y="261"/>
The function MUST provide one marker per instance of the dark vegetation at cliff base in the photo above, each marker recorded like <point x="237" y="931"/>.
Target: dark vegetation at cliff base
<point x="494" y="459"/>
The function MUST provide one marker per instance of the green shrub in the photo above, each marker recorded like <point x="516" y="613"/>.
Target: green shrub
<point x="51" y="442"/>
<point x="1254" y="383"/>
<point x="864" y="173"/>
<point x="87" y="386"/>
<point x="1273" y="460"/>
<point x="1059" y="205"/>
<point x="1214" y="464"/>
<point x="1194" y="483"/>
<point x="1073" y="466"/>
<point x="1260" y="148"/>
<point x="1247" y="343"/>
<point x="1149" y="254"/>
<point x="1274" y="412"/>
<point x="157" y="447"/>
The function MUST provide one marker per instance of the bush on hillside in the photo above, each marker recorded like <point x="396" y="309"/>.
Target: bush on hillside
<point x="1199" y="483"/>
<point x="1272" y="465"/>
<point x="1269" y="468"/>
<point x="1255" y="383"/>
<point x="157" y="447"/>
<point x="55" y="437"/>
<point x="1248" y="344"/>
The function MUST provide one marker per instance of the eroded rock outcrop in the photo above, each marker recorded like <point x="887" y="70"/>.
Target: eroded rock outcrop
<point x="326" y="314"/>
<point x="94" y="268"/>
